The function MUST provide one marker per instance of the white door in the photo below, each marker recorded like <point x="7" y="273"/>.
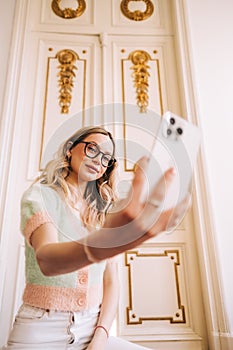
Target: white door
<point x="102" y="47"/>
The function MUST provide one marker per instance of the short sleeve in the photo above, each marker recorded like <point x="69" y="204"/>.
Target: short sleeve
<point x="38" y="206"/>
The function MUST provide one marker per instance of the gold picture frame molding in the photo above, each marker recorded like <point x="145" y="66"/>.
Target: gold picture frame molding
<point x="49" y="59"/>
<point x="175" y="257"/>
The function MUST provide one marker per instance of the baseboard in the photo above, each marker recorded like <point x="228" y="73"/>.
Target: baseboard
<point x="224" y="340"/>
<point x="172" y="345"/>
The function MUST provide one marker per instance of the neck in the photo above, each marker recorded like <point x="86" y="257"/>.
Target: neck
<point x="76" y="188"/>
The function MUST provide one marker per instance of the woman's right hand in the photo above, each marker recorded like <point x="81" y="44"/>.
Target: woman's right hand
<point x="133" y="221"/>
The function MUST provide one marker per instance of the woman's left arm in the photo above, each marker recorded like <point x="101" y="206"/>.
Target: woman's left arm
<point x="109" y="305"/>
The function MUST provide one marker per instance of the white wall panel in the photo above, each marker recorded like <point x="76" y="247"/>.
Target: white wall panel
<point x="43" y="70"/>
<point x="43" y="18"/>
<point x="158" y="22"/>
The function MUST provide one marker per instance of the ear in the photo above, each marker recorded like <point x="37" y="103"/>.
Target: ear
<point x="68" y="147"/>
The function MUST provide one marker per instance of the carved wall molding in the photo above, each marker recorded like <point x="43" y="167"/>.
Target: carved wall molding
<point x="67" y="59"/>
<point x="177" y="314"/>
<point x="137" y="15"/>
<point x="68" y="13"/>
<point x="140" y="76"/>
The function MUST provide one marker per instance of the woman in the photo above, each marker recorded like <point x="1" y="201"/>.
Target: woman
<point x="71" y="292"/>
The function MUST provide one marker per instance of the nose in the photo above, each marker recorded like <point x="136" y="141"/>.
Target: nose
<point x="97" y="159"/>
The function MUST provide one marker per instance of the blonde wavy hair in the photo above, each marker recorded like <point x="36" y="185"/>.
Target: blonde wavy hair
<point x="99" y="194"/>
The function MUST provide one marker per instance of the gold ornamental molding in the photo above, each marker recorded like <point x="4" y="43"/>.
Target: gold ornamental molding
<point x="178" y="315"/>
<point x="137" y="15"/>
<point x="62" y="56"/>
<point x="141" y="77"/>
<point x="143" y="70"/>
<point x="68" y="12"/>
<point x="67" y="59"/>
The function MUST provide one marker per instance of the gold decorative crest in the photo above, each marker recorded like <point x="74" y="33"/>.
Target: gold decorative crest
<point x="137" y="15"/>
<point x="67" y="59"/>
<point x="141" y="77"/>
<point x="68" y="13"/>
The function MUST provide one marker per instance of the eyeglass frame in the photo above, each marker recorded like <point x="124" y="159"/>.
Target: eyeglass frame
<point x="112" y="159"/>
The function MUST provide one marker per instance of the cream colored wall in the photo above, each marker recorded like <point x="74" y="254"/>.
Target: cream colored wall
<point x="211" y="31"/>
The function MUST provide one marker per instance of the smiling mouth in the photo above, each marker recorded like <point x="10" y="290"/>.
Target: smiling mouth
<point x="94" y="169"/>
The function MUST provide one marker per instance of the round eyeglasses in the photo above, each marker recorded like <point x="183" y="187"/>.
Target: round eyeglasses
<point x="92" y="150"/>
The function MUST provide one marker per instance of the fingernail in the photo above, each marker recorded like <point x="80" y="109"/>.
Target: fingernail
<point x="176" y="222"/>
<point x="173" y="170"/>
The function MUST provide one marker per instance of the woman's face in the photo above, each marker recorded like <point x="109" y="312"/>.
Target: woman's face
<point x="85" y="169"/>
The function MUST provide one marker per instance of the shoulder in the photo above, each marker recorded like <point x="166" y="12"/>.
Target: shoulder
<point x="39" y="193"/>
<point x="40" y="204"/>
<point x="37" y="199"/>
<point x="37" y="189"/>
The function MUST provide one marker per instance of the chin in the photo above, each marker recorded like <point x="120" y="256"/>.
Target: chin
<point x="89" y="177"/>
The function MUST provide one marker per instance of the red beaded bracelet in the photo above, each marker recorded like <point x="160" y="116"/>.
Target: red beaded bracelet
<point x="103" y="329"/>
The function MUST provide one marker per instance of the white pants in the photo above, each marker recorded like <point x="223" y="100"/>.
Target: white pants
<point x="36" y="328"/>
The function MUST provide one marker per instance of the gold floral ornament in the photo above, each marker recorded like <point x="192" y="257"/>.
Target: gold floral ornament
<point x="141" y="77"/>
<point x="68" y="13"/>
<point x="137" y="15"/>
<point x="67" y="59"/>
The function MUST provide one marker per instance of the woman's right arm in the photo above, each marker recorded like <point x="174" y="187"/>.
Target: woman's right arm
<point x="56" y="258"/>
<point x="129" y="226"/>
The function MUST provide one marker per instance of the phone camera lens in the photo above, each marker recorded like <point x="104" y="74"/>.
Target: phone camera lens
<point x="172" y="121"/>
<point x="179" y="131"/>
<point x="169" y="132"/>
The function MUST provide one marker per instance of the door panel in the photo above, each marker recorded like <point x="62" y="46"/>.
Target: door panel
<point x="161" y="294"/>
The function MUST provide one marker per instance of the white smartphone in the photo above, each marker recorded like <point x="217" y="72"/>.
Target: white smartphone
<point x="176" y="145"/>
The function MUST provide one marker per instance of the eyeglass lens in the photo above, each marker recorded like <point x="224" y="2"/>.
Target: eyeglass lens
<point x="93" y="151"/>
